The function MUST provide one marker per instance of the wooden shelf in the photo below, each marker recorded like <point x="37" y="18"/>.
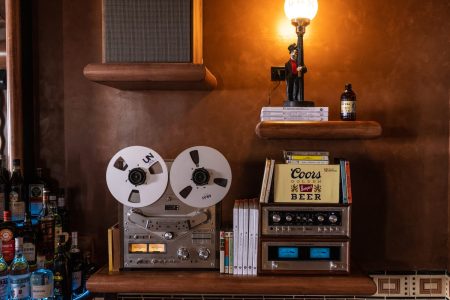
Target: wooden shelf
<point x="318" y="129"/>
<point x="152" y="76"/>
<point x="211" y="282"/>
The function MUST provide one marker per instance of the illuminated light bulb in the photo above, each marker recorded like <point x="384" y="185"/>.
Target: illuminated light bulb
<point x="300" y="9"/>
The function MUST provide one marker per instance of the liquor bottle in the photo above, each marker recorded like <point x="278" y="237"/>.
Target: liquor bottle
<point x="4" y="187"/>
<point x="348" y="104"/>
<point x="19" y="274"/>
<point x="76" y="265"/>
<point x="36" y="192"/>
<point x="89" y="268"/>
<point x="4" y="282"/>
<point x="61" y="270"/>
<point x="62" y="211"/>
<point x="16" y="195"/>
<point x="41" y="284"/>
<point x="58" y="221"/>
<point x="29" y="241"/>
<point x="46" y="247"/>
<point x="8" y="232"/>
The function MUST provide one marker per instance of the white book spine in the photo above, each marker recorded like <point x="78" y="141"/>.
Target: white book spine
<point x="307" y="162"/>
<point x="294" y="114"/>
<point x="251" y="235"/>
<point x="256" y="238"/>
<point x="294" y="118"/>
<point x="235" y="237"/>
<point x="281" y="108"/>
<point x="269" y="181"/>
<point x="241" y="238"/>
<point x="222" y="252"/>
<point x="245" y="246"/>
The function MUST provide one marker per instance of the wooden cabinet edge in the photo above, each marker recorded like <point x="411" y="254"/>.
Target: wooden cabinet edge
<point x="214" y="283"/>
<point x="152" y="76"/>
<point x="318" y="129"/>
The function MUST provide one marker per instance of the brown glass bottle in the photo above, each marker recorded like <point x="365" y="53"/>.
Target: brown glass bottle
<point x="348" y="104"/>
<point x="8" y="232"/>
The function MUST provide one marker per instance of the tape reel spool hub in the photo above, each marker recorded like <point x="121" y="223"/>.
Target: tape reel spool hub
<point x="137" y="176"/>
<point x="200" y="176"/>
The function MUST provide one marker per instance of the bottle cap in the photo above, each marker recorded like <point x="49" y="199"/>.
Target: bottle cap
<point x="6" y="215"/>
<point x="19" y="242"/>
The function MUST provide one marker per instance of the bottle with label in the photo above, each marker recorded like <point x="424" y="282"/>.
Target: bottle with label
<point x="29" y="241"/>
<point x="61" y="271"/>
<point x="42" y="284"/>
<point x="62" y="210"/>
<point x="76" y="265"/>
<point x="348" y="104"/>
<point x="36" y="192"/>
<point x="8" y="232"/>
<point x="4" y="187"/>
<point x="46" y="235"/>
<point x="58" y="222"/>
<point x="19" y="274"/>
<point x="16" y="195"/>
<point x="4" y="282"/>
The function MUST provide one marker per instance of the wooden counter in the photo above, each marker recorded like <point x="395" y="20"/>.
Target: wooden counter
<point x="211" y="282"/>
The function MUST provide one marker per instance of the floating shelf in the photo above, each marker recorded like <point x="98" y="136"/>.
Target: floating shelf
<point x="152" y="76"/>
<point x="318" y="129"/>
<point x="211" y="282"/>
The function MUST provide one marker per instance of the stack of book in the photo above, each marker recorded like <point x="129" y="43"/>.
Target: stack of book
<point x="243" y="241"/>
<point x="306" y="157"/>
<point x="272" y="113"/>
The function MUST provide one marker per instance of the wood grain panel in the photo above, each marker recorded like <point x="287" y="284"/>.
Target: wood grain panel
<point x="14" y="79"/>
<point x="141" y="76"/>
<point x="318" y="130"/>
<point x="2" y="55"/>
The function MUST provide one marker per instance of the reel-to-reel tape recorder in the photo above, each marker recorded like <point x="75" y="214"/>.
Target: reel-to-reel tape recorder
<point x="169" y="225"/>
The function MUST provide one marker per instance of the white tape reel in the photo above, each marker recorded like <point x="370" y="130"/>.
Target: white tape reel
<point x="200" y="176"/>
<point x="137" y="176"/>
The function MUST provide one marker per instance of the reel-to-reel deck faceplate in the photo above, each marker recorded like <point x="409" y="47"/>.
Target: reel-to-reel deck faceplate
<point x="169" y="225"/>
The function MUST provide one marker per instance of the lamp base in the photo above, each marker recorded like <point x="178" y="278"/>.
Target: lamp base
<point x="288" y="103"/>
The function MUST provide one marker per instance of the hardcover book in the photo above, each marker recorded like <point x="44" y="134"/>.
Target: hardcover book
<point x="307" y="183"/>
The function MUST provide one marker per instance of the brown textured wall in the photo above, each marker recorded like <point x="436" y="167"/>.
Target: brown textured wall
<point x="395" y="53"/>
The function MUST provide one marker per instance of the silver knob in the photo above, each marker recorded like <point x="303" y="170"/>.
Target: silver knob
<point x="168" y="235"/>
<point x="276" y="218"/>
<point x="320" y="218"/>
<point x="333" y="218"/>
<point x="183" y="253"/>
<point x="288" y="218"/>
<point x="203" y="253"/>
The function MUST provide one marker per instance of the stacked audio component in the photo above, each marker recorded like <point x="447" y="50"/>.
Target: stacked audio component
<point x="305" y="239"/>
<point x="168" y="225"/>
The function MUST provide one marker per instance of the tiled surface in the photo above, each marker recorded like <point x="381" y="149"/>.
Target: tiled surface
<point x="424" y="286"/>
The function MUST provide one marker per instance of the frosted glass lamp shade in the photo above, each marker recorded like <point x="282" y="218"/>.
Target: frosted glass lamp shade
<point x="300" y="9"/>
